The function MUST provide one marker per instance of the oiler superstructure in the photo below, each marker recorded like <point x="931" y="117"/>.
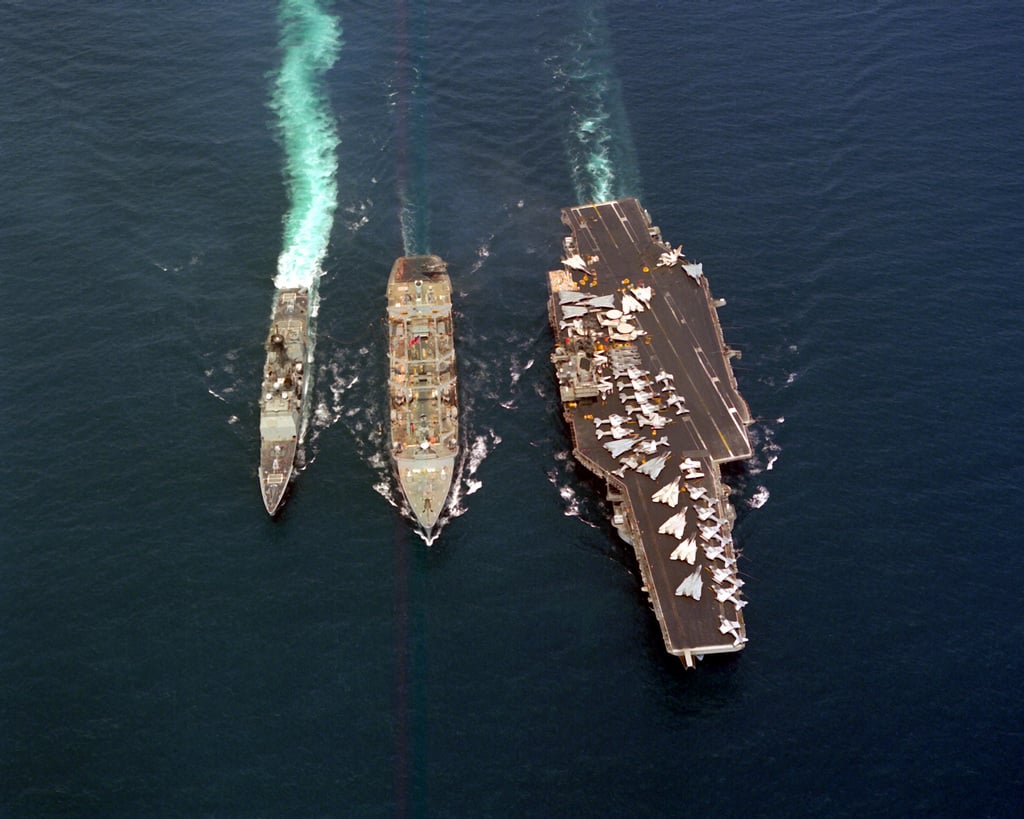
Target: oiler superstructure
<point x="422" y="384"/>
<point x="285" y="387"/>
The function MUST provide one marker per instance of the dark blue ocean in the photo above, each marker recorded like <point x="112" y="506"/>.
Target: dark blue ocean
<point x="851" y="177"/>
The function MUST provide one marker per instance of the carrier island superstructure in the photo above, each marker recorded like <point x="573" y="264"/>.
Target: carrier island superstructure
<point x="649" y="394"/>
<point x="424" y="407"/>
<point x="285" y="389"/>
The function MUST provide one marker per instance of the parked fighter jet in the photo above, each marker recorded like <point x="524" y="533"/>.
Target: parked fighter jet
<point x="620" y="447"/>
<point x="632" y="461"/>
<point x="694" y="271"/>
<point x="678" y="402"/>
<point x="722" y="575"/>
<point x="654" y="466"/>
<point x="713" y="551"/>
<point x="648" y="409"/>
<point x="616" y="432"/>
<point x="687" y="550"/>
<point x="697" y="492"/>
<point x="642" y="295"/>
<point x="571" y="311"/>
<point x="649" y="446"/>
<point x="669" y="494"/>
<point x="602" y="302"/>
<point x="723" y="594"/>
<point x="629" y="462"/>
<point x="670" y="257"/>
<point x="691" y="587"/>
<point x="614" y="419"/>
<point x="674" y="526"/>
<point x="654" y="421"/>
<point x="576" y="263"/>
<point x="712" y="529"/>
<point x="630" y="304"/>
<point x="732" y="627"/>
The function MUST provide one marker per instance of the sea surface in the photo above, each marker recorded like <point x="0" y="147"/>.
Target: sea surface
<point x="852" y="178"/>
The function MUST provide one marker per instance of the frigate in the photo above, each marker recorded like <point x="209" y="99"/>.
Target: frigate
<point x="285" y="389"/>
<point x="424" y="405"/>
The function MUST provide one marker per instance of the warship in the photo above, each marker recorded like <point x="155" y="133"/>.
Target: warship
<point x="284" y="393"/>
<point x="424" y="438"/>
<point x="647" y="388"/>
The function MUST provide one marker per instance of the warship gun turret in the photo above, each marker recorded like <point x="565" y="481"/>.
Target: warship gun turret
<point x="424" y="403"/>
<point x="285" y="388"/>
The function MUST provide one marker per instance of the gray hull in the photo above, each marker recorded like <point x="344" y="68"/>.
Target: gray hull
<point x="284" y="391"/>
<point x="424" y="409"/>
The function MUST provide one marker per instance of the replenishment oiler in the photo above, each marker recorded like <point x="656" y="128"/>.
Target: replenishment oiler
<point x="285" y="390"/>
<point x="424" y="439"/>
<point x="649" y="394"/>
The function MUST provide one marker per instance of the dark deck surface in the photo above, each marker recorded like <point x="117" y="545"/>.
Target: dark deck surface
<point x="682" y="337"/>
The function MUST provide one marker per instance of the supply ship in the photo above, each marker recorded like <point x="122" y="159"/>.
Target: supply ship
<point x="648" y="391"/>
<point x="285" y="389"/>
<point x="424" y="406"/>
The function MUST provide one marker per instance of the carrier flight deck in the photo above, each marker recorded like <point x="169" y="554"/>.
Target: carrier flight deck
<point x="649" y="394"/>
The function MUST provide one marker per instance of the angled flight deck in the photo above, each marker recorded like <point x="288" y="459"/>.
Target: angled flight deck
<point x="648" y="390"/>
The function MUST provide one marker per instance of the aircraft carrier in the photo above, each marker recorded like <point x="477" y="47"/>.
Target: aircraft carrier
<point x="422" y="384"/>
<point x="649" y="394"/>
<point x="284" y="393"/>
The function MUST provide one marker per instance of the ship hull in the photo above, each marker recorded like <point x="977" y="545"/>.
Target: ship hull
<point x="423" y="395"/>
<point x="647" y="388"/>
<point x="285" y="389"/>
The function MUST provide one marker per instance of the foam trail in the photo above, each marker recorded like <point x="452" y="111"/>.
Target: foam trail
<point x="311" y="42"/>
<point x="410" y="125"/>
<point x="599" y="143"/>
